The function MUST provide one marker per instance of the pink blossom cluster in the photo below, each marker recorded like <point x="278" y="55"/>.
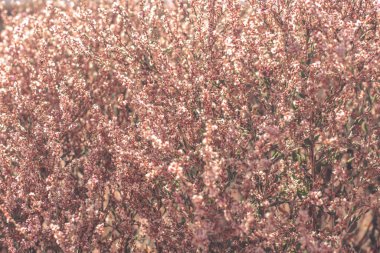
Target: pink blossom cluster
<point x="190" y="126"/>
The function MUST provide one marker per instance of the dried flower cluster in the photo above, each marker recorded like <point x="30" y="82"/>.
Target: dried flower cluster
<point x="190" y="126"/>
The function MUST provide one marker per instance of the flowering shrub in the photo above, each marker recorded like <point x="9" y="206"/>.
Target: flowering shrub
<point x="190" y="126"/>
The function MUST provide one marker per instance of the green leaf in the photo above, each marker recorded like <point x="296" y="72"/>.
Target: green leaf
<point x="308" y="142"/>
<point x="364" y="127"/>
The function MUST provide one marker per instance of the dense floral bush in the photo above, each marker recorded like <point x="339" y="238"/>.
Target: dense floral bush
<point x="190" y="126"/>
